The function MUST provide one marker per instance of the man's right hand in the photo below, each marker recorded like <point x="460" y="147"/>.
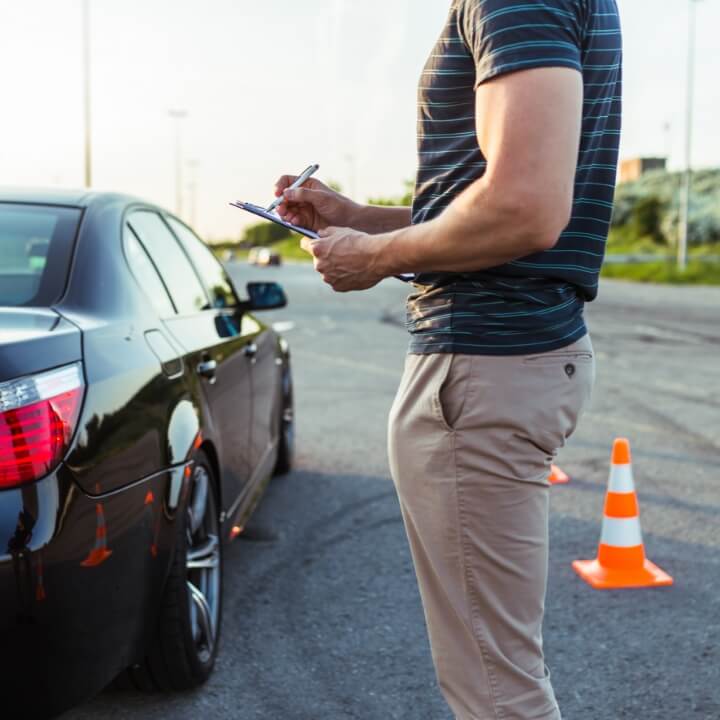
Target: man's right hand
<point x="314" y="205"/>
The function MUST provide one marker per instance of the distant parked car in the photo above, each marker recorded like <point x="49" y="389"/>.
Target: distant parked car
<point x="264" y="256"/>
<point x="143" y="409"/>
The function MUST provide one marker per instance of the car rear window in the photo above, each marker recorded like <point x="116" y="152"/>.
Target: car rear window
<point x="36" y="244"/>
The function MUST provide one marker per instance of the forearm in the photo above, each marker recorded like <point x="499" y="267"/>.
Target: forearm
<point x="375" y="219"/>
<point x="480" y="229"/>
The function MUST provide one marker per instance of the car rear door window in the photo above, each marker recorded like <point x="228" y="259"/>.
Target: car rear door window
<point x="171" y="262"/>
<point x="211" y="271"/>
<point x="36" y="243"/>
<point x="146" y="274"/>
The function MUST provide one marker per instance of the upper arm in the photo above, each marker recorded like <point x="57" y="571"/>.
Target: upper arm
<point x="529" y="93"/>
<point x="528" y="128"/>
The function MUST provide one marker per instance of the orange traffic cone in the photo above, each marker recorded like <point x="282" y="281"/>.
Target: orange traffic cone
<point x="557" y="476"/>
<point x="621" y="561"/>
<point x="99" y="554"/>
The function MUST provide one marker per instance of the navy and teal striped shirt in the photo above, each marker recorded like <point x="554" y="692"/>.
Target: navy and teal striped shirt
<point x="534" y="303"/>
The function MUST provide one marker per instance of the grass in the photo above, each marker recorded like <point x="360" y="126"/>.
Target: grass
<point x="698" y="272"/>
<point x="624" y="243"/>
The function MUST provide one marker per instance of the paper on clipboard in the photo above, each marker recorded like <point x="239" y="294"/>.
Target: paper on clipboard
<point x="272" y="217"/>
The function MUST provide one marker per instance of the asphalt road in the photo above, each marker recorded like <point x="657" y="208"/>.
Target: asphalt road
<point x="322" y="618"/>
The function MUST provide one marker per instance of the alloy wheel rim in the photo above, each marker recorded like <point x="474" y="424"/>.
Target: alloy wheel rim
<point x="203" y="564"/>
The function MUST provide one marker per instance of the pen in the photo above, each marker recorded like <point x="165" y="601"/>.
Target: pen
<point x="305" y="175"/>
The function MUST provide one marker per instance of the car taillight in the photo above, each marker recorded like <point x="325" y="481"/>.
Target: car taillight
<point x="38" y="415"/>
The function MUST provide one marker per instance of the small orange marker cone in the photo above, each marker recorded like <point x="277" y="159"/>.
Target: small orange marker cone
<point x="557" y="476"/>
<point x="621" y="561"/>
<point x="149" y="498"/>
<point x="99" y="554"/>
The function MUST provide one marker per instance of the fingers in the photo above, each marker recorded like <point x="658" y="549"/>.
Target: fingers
<point x="292" y="215"/>
<point x="284" y="182"/>
<point x="302" y="194"/>
<point x="294" y="208"/>
<point x="307" y="244"/>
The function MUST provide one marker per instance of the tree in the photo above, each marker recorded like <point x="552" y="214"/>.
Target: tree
<point x="263" y="233"/>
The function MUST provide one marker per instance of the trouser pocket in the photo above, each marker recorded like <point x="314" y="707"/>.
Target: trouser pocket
<point x="565" y="380"/>
<point x="449" y="396"/>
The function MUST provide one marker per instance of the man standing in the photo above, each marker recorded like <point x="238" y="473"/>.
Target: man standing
<point x="518" y="134"/>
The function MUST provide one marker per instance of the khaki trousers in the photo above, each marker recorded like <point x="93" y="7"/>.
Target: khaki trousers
<point x="471" y="439"/>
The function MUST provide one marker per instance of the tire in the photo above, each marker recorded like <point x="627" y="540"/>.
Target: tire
<point x="286" y="443"/>
<point x="182" y="653"/>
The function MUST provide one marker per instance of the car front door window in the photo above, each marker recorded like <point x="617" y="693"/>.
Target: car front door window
<point x="211" y="271"/>
<point x="174" y="266"/>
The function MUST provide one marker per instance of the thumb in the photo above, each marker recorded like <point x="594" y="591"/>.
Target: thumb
<point x="302" y="195"/>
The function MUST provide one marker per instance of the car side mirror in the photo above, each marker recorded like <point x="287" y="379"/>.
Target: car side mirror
<point x="265" y="296"/>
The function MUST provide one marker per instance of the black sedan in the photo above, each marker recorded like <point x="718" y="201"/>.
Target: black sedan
<point x="143" y="409"/>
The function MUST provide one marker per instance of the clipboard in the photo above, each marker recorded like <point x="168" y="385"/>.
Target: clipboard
<point x="272" y="217"/>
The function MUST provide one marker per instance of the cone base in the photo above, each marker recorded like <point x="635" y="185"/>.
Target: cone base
<point x="604" y="578"/>
<point x="96" y="557"/>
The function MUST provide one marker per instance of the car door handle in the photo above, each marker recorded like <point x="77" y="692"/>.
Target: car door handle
<point x="250" y="350"/>
<point x="207" y="369"/>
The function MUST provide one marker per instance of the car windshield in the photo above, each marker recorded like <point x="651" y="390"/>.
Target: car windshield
<point x="35" y="248"/>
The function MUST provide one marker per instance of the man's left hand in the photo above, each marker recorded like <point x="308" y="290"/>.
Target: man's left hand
<point x="344" y="258"/>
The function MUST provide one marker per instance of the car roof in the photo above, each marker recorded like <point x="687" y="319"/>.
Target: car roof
<point x="81" y="198"/>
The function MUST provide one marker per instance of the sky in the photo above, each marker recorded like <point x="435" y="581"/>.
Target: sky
<point x="270" y="86"/>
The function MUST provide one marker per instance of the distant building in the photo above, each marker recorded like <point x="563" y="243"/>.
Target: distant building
<point x="632" y="168"/>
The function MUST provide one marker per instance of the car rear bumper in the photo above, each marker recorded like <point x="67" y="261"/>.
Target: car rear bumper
<point x="80" y="581"/>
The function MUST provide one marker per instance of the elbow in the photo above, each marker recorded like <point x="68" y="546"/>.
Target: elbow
<point x="540" y="221"/>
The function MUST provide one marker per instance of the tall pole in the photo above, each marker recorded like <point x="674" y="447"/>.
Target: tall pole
<point x="685" y="194"/>
<point x="178" y="116"/>
<point x="86" y="90"/>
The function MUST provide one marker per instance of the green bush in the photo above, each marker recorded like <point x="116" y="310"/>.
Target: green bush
<point x="646" y="218"/>
<point x="263" y="233"/>
<point x="638" y="203"/>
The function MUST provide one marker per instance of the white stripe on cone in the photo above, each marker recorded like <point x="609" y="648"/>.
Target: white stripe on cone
<point x="621" y="479"/>
<point x="621" y="532"/>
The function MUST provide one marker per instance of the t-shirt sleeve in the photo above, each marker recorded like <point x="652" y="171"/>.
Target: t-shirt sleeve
<point x="507" y="36"/>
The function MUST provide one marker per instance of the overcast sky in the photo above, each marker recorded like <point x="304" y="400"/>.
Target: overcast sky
<point x="272" y="85"/>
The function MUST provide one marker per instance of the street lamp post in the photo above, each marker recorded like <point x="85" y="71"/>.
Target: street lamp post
<point x="685" y="193"/>
<point x="178" y="116"/>
<point x="86" y="90"/>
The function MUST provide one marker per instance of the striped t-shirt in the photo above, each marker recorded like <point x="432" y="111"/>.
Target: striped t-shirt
<point x="534" y="303"/>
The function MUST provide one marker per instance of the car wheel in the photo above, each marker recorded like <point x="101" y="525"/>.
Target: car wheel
<point x="183" y="652"/>
<point x="286" y="446"/>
